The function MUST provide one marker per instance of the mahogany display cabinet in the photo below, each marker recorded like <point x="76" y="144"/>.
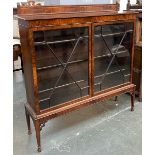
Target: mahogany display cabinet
<point x="74" y="56"/>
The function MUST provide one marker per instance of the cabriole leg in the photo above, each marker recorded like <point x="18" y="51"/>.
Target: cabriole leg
<point x="37" y="128"/>
<point x="116" y="98"/>
<point x="28" y="122"/>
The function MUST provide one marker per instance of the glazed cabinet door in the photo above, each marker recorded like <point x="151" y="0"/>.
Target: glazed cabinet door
<point x="112" y="54"/>
<point x="62" y="62"/>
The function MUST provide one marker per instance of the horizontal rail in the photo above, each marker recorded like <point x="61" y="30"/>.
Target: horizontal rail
<point x="109" y="73"/>
<point x="49" y="98"/>
<point x="100" y="83"/>
<point x="57" y="65"/>
<point x="105" y="55"/>
<point x="83" y="37"/>
<point x="45" y="90"/>
<point x="58" y="41"/>
<point x="77" y="61"/>
<point x="113" y="34"/>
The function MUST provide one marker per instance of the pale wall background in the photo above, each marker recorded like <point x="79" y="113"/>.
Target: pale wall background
<point x="66" y="2"/>
<point x="76" y="2"/>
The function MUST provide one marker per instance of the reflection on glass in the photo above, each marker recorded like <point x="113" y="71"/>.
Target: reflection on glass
<point x="62" y="65"/>
<point x="112" y="51"/>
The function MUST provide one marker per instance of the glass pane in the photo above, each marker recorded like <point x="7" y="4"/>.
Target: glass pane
<point x="62" y="65"/>
<point x="112" y="54"/>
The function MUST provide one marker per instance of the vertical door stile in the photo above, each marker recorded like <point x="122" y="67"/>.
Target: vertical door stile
<point x="132" y="56"/>
<point x="34" y="72"/>
<point x="91" y="34"/>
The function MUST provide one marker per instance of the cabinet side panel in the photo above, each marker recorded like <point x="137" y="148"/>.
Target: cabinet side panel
<point x="27" y="62"/>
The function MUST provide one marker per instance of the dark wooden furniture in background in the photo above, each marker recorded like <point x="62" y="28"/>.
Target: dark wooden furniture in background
<point x="17" y="53"/>
<point x="138" y="48"/>
<point x="136" y="6"/>
<point x="139" y="28"/>
<point x="138" y="70"/>
<point x="138" y="57"/>
<point x="74" y="56"/>
<point x="16" y="42"/>
<point x="14" y="11"/>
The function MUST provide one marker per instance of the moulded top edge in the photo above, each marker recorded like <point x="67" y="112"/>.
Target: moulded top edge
<point x="62" y="15"/>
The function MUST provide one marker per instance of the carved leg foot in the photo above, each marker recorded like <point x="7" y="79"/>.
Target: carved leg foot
<point x="140" y="89"/>
<point x="140" y="99"/>
<point x="132" y="100"/>
<point x="116" y="98"/>
<point x="39" y="149"/>
<point x="29" y="132"/>
<point x="37" y="128"/>
<point x="21" y="63"/>
<point x="132" y="108"/>
<point x="28" y="122"/>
